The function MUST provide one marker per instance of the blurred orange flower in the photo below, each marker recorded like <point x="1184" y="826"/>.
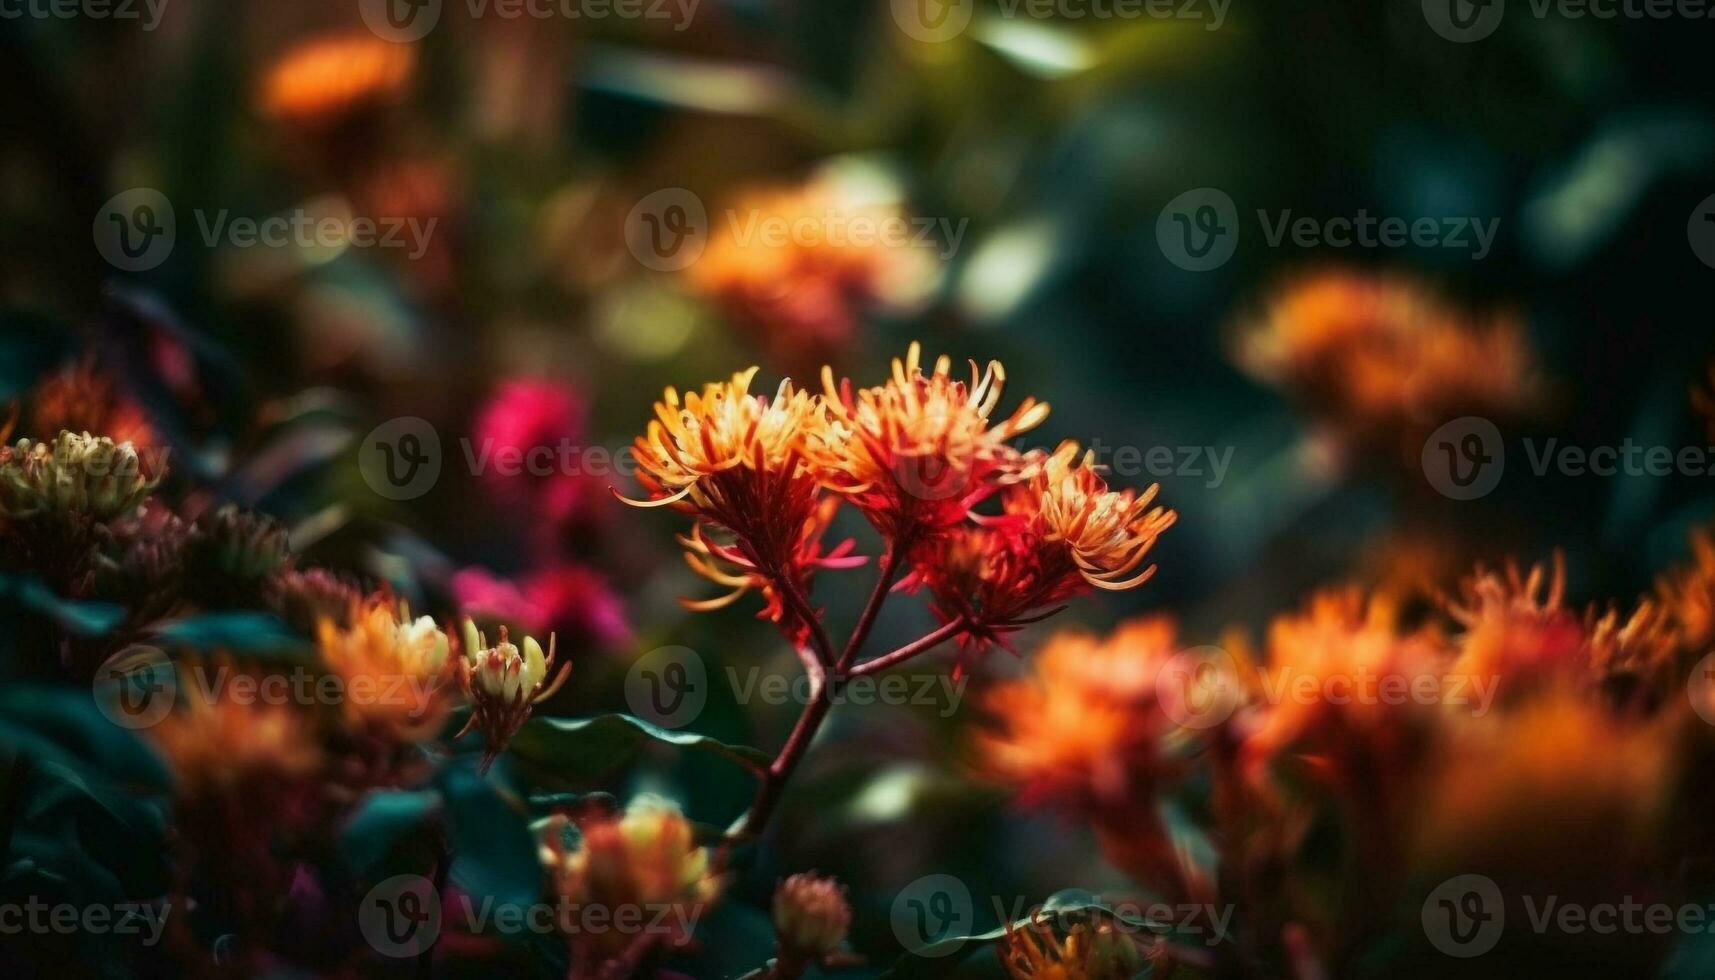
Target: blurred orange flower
<point x="1095" y="950"/>
<point x="1083" y="727"/>
<point x="394" y="669"/>
<point x="326" y="79"/>
<point x="82" y="398"/>
<point x="642" y="862"/>
<point x="223" y="747"/>
<point x="798" y="266"/>
<point x="1379" y="358"/>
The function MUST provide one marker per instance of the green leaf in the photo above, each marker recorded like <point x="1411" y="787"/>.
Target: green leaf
<point x="494" y="852"/>
<point x="585" y="749"/>
<point x="248" y="632"/>
<point x="84" y="618"/>
<point x="382" y="820"/>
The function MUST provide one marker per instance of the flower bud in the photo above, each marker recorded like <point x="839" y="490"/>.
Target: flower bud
<point x="811" y="915"/>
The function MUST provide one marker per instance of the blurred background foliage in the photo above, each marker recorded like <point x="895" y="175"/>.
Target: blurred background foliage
<point x="1059" y="140"/>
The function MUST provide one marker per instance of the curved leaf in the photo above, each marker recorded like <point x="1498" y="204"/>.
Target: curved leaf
<point x="588" y="748"/>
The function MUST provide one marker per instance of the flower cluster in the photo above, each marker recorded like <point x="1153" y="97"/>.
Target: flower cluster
<point x="919" y="456"/>
<point x="504" y="684"/>
<point x="1502" y="733"/>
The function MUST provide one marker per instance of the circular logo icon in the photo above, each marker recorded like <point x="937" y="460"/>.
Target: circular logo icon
<point x="932" y="20"/>
<point x="1700" y="688"/>
<point x="1463" y="21"/>
<point x="400" y="21"/>
<point x="1198" y="230"/>
<point x="668" y="686"/>
<point x="401" y="917"/>
<point x="136" y="687"/>
<point x="1464" y="459"/>
<point x="1701" y="231"/>
<point x="668" y="230"/>
<point x="1198" y="687"/>
<point x="400" y="459"/>
<point x="1464" y="916"/>
<point x="135" y="230"/>
<point x="932" y="909"/>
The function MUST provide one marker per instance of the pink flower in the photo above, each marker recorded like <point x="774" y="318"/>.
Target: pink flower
<point x="572" y="600"/>
<point x="529" y="433"/>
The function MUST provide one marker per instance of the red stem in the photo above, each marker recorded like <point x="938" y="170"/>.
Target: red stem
<point x="947" y="630"/>
<point x="890" y="565"/>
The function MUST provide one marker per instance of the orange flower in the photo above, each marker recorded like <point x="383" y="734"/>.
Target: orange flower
<point x="915" y="454"/>
<point x="394" y="669"/>
<point x="802" y="292"/>
<point x="1091" y="950"/>
<point x="1558" y="784"/>
<point x="328" y="78"/>
<point x="225" y="747"/>
<point x="1517" y="632"/>
<point x="1107" y="532"/>
<point x="83" y="399"/>
<point x="737" y="461"/>
<point x="1084" y="727"/>
<point x="727" y="566"/>
<point x="1061" y="533"/>
<point x="1347" y="645"/>
<point x="641" y="863"/>
<point x="1374" y="357"/>
<point x="1687" y="593"/>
